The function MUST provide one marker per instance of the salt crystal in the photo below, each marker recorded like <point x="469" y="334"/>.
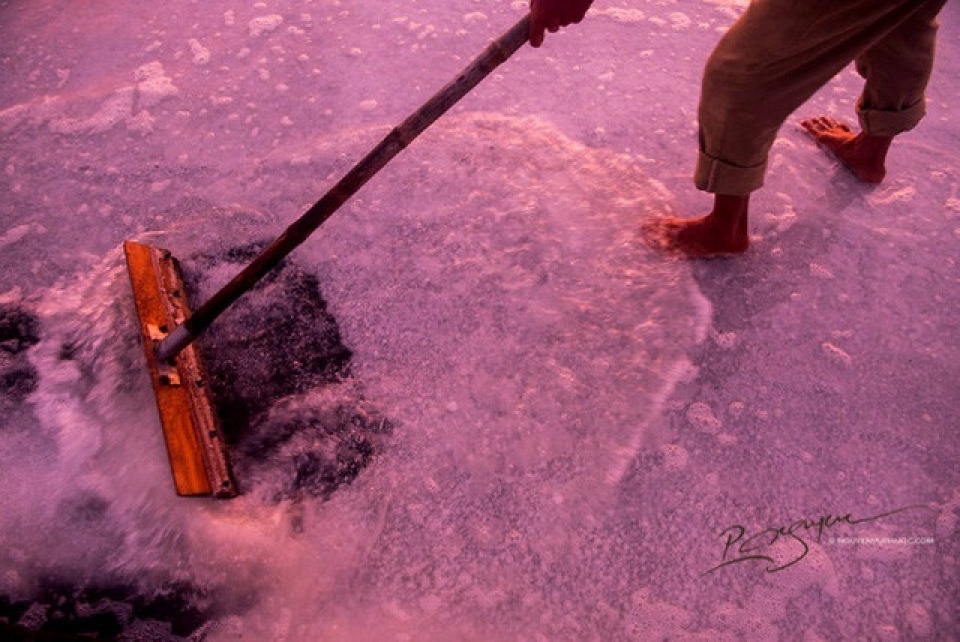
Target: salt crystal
<point x="264" y="24"/>
<point x="153" y="85"/>
<point x="737" y="408"/>
<point x="919" y="620"/>
<point x="675" y="457"/>
<point x="820" y="272"/>
<point x="836" y="354"/>
<point x="725" y="340"/>
<point x="201" y="55"/>
<point x="701" y="417"/>
<point x="679" y="20"/>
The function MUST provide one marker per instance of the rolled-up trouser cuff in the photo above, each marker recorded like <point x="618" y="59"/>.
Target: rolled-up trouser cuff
<point x="718" y="177"/>
<point x="882" y="122"/>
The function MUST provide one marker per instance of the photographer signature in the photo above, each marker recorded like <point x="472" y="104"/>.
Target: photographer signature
<point x="741" y="547"/>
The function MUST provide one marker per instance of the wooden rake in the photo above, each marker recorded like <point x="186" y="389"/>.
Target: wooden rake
<point x="194" y="438"/>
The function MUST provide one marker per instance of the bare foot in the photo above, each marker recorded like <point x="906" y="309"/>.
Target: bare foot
<point x="699" y="238"/>
<point x="865" y="155"/>
<point x="722" y="232"/>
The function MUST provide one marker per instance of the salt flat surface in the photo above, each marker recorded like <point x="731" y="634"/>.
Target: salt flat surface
<point x="474" y="406"/>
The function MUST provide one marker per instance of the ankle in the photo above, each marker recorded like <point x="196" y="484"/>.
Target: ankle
<point x="872" y="146"/>
<point x="730" y="214"/>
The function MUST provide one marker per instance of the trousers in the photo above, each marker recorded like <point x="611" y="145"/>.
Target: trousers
<point x="780" y="52"/>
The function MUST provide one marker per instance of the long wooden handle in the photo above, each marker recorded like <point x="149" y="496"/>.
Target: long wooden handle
<point x="394" y="142"/>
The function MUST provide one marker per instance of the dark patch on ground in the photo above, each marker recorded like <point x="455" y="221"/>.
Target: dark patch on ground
<point x="85" y="507"/>
<point x="19" y="331"/>
<point x="267" y="359"/>
<point x="63" y="611"/>
<point x="303" y="451"/>
<point x="276" y="341"/>
<point x="279" y="377"/>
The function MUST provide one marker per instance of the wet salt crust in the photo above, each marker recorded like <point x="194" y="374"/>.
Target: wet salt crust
<point x="516" y="305"/>
<point x="472" y="470"/>
<point x="496" y="356"/>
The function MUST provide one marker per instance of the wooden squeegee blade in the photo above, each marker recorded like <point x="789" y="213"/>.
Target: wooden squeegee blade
<point x="194" y="439"/>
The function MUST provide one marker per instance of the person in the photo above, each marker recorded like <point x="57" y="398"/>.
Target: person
<point x="774" y="58"/>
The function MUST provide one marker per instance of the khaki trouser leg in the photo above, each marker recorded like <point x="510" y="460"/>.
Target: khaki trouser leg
<point x="897" y="70"/>
<point x="782" y="51"/>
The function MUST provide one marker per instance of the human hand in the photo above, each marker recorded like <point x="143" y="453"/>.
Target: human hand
<point x="550" y="15"/>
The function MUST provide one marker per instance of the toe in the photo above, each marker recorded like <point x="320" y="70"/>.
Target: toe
<point x="656" y="233"/>
<point x="813" y="127"/>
